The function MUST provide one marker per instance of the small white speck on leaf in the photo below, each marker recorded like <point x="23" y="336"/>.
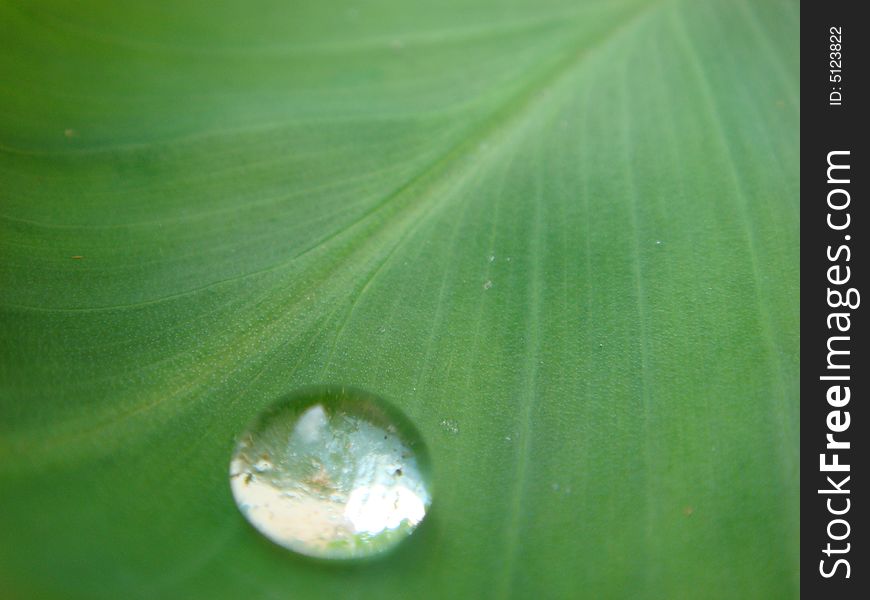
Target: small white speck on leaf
<point x="450" y="426"/>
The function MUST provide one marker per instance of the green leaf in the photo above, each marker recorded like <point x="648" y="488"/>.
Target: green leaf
<point x="561" y="236"/>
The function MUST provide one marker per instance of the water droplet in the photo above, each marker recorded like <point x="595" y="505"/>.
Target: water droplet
<point x="332" y="473"/>
<point x="658" y="242"/>
<point x="487" y="284"/>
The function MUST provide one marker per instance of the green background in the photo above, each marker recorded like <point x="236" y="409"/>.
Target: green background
<point x="562" y="237"/>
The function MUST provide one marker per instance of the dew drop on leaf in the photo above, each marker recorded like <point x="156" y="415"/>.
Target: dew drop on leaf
<point x="332" y="472"/>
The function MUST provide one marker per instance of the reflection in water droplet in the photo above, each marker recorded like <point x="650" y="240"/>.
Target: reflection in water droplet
<point x="332" y="473"/>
